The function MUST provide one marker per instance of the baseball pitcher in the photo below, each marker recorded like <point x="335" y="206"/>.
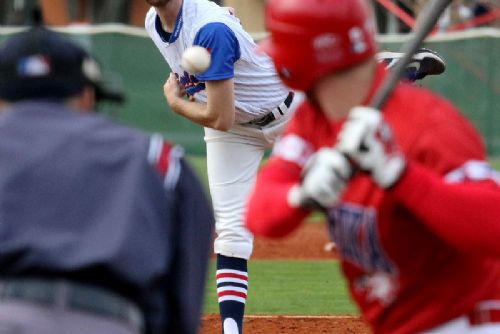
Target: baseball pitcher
<point x="243" y="107"/>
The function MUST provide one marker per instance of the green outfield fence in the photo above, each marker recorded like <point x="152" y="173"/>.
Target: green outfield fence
<point x="130" y="60"/>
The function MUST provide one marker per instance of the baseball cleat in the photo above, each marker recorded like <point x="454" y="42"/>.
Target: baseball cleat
<point x="424" y="62"/>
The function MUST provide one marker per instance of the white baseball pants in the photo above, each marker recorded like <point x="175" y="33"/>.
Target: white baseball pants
<point x="233" y="160"/>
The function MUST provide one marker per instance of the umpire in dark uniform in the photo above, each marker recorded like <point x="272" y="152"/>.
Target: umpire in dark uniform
<point x="103" y="229"/>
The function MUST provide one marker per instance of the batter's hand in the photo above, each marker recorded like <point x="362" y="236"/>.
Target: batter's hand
<point x="324" y="179"/>
<point x="368" y="140"/>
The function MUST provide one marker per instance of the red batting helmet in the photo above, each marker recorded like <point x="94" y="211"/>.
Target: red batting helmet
<point x="311" y="38"/>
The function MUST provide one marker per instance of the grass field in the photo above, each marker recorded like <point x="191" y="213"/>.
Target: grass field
<point x="289" y="287"/>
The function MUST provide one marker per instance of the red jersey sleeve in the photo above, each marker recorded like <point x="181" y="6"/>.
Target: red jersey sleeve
<point x="448" y="184"/>
<point x="465" y="214"/>
<point x="268" y="213"/>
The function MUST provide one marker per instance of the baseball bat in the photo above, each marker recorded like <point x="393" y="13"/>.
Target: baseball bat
<point x="426" y="22"/>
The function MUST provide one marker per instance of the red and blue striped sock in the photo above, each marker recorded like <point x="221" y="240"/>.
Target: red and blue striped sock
<point x="232" y="286"/>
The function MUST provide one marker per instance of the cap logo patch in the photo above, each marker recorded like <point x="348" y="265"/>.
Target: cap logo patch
<point x="91" y="70"/>
<point x="34" y="66"/>
<point x="326" y="47"/>
<point x="358" y="41"/>
<point x="325" y="41"/>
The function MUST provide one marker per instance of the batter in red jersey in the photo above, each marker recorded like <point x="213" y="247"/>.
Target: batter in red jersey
<point x="411" y="201"/>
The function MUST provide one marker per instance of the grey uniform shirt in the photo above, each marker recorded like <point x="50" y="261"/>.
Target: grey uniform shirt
<point x="86" y="199"/>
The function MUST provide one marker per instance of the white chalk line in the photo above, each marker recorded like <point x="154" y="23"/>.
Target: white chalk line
<point x="333" y="317"/>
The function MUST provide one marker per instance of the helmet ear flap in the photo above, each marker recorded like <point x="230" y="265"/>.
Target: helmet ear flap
<point x="311" y="38"/>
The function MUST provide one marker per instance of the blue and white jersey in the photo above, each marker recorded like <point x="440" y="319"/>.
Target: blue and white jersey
<point x="258" y="89"/>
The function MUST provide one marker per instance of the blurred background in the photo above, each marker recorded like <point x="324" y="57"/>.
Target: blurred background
<point x="467" y="36"/>
<point x="394" y="16"/>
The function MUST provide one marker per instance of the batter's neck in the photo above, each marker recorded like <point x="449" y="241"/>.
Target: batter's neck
<point x="337" y="93"/>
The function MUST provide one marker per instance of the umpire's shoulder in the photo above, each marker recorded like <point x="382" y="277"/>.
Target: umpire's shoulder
<point x="165" y="157"/>
<point x="111" y="131"/>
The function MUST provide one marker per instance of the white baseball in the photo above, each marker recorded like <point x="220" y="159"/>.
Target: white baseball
<point x="195" y="59"/>
<point x="330" y="247"/>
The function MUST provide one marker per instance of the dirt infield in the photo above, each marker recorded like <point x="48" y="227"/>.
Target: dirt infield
<point x="306" y="243"/>
<point x="291" y="325"/>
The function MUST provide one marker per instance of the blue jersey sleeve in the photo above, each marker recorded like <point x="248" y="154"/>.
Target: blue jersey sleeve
<point x="224" y="48"/>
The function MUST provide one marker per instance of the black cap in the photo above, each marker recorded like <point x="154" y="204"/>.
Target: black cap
<point x="40" y="63"/>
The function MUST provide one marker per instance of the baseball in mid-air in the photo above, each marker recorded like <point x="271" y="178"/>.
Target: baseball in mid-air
<point x="195" y="59"/>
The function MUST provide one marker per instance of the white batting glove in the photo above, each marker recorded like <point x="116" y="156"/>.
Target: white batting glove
<point x="368" y="140"/>
<point x="324" y="179"/>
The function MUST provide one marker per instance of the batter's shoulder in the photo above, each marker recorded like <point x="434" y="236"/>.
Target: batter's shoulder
<point x="432" y="130"/>
<point x="423" y="109"/>
<point x="311" y="124"/>
<point x="304" y="118"/>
